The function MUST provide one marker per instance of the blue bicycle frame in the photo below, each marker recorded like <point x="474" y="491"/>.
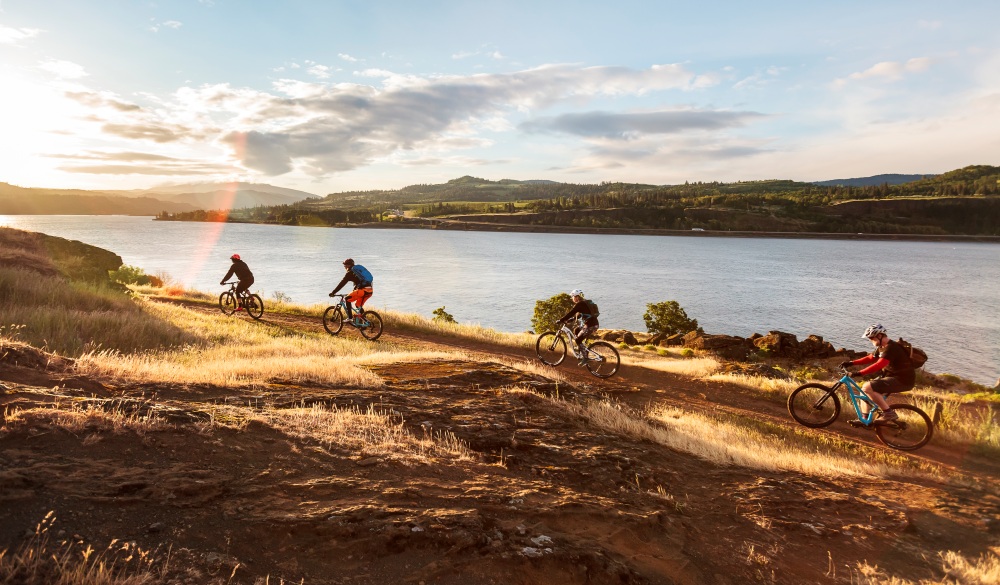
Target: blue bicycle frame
<point x="857" y="397"/>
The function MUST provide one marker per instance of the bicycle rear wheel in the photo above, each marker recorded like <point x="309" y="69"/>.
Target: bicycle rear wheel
<point x="814" y="405"/>
<point x="912" y="430"/>
<point x="227" y="303"/>
<point x="606" y="361"/>
<point x="254" y="306"/>
<point x="371" y="325"/>
<point x="551" y="348"/>
<point x="333" y="320"/>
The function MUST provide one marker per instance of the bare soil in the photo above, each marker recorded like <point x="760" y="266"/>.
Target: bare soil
<point x="548" y="499"/>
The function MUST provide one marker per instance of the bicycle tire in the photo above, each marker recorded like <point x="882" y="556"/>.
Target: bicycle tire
<point x="814" y="405"/>
<point x="609" y="362"/>
<point x="550" y="348"/>
<point x="333" y="320"/>
<point x="371" y="327"/>
<point x="911" y="431"/>
<point x="254" y="306"/>
<point x="227" y="303"/>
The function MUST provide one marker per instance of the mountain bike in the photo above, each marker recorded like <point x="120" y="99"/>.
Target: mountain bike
<point x="600" y="357"/>
<point x="228" y="302"/>
<point x="817" y="406"/>
<point x="369" y="323"/>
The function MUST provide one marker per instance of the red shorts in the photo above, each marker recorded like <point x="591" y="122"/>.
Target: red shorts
<point x="359" y="296"/>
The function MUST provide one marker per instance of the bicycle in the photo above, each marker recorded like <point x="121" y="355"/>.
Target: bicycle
<point x="600" y="357"/>
<point x="369" y="323"/>
<point x="228" y="302"/>
<point x="817" y="406"/>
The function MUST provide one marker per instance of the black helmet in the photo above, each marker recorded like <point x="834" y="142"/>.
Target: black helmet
<point x="349" y="262"/>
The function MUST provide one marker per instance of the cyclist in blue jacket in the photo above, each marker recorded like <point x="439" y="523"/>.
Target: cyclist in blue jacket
<point x="362" y="280"/>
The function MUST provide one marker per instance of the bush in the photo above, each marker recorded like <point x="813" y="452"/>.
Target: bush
<point x="549" y="311"/>
<point x="133" y="275"/>
<point x="668" y="318"/>
<point x="442" y="316"/>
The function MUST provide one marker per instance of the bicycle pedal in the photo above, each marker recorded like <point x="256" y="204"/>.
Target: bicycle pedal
<point x="857" y="424"/>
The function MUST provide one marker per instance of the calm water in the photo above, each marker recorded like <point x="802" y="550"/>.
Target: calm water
<point x="945" y="297"/>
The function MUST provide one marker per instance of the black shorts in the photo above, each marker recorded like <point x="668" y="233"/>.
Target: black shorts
<point x="891" y="385"/>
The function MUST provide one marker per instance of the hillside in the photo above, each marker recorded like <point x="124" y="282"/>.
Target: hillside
<point x="171" y="199"/>
<point x="963" y="203"/>
<point x="269" y="451"/>
<point x="886" y="179"/>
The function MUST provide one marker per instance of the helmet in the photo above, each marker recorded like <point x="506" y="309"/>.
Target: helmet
<point x="576" y="293"/>
<point x="234" y="257"/>
<point x="349" y="262"/>
<point x="874" y="330"/>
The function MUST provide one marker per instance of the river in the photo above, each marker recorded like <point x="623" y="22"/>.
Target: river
<point x="943" y="296"/>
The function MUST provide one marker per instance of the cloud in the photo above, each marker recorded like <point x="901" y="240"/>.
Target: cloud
<point x="63" y="69"/>
<point x="140" y="163"/>
<point x="888" y="70"/>
<point x="319" y="71"/>
<point x="625" y="126"/>
<point x="174" y="24"/>
<point x="346" y="57"/>
<point x="13" y="36"/>
<point x="96" y="100"/>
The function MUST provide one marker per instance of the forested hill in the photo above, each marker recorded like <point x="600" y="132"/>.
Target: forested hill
<point x="960" y="202"/>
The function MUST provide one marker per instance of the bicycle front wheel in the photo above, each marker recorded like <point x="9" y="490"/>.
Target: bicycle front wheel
<point x="603" y="359"/>
<point x="911" y="430"/>
<point x="227" y="303"/>
<point x="254" y="306"/>
<point x="333" y="320"/>
<point x="814" y="405"/>
<point x="551" y="348"/>
<point x="371" y="325"/>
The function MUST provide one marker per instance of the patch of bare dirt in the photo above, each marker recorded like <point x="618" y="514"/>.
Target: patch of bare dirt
<point x="547" y="498"/>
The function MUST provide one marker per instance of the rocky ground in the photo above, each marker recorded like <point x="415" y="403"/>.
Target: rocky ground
<point x="546" y="499"/>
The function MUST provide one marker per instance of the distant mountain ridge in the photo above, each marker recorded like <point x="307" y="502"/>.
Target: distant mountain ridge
<point x="16" y="200"/>
<point x="875" y="180"/>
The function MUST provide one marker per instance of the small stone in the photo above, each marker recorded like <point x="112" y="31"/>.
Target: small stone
<point x="368" y="462"/>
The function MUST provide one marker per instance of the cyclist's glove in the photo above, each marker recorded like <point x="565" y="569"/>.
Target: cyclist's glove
<point x="222" y="284"/>
<point x="846" y="364"/>
<point x="331" y="294"/>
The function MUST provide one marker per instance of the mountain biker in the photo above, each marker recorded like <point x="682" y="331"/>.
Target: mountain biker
<point x="899" y="375"/>
<point x="590" y="323"/>
<point x="362" y="280"/>
<point x="244" y="275"/>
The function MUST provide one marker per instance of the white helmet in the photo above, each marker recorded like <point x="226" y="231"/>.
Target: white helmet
<point x="576" y="293"/>
<point x="874" y="330"/>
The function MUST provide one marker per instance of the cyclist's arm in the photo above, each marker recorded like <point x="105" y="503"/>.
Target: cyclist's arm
<point x="228" y="274"/>
<point x="877" y="366"/>
<point x="343" y="281"/>
<point x="864" y="360"/>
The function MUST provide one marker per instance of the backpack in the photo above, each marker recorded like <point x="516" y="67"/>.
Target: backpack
<point x="594" y="311"/>
<point x="363" y="274"/>
<point x="918" y="357"/>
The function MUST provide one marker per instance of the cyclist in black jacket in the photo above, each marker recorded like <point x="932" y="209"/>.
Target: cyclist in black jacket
<point x="243" y="273"/>
<point x="590" y="323"/>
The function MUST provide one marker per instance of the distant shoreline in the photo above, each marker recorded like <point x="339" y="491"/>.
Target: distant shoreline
<point x="506" y="227"/>
<point x="450" y="225"/>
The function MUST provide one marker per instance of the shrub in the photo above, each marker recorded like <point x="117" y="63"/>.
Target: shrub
<point x="549" y="311"/>
<point x="668" y="318"/>
<point x="127" y="274"/>
<point x="687" y="352"/>
<point x="443" y="316"/>
<point x="281" y="297"/>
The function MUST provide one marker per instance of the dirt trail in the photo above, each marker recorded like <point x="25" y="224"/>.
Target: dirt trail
<point x="545" y="498"/>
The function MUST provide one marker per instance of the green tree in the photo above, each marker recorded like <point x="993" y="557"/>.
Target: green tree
<point x="443" y="316"/>
<point x="669" y="318"/>
<point x="549" y="311"/>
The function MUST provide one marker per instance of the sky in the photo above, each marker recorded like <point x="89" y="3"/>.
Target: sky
<point x="330" y="95"/>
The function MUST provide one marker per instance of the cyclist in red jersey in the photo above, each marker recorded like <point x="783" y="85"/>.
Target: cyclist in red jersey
<point x="899" y="374"/>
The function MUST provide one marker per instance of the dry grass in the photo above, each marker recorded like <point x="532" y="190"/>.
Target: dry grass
<point x="733" y="443"/>
<point x="80" y="416"/>
<point x="695" y="367"/>
<point x="775" y="388"/>
<point x="369" y="433"/>
<point x="956" y="569"/>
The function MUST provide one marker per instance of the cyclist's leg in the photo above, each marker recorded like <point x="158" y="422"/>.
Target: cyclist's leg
<point x="241" y="290"/>
<point x="885" y="386"/>
<point x="582" y="336"/>
<point x="354" y="297"/>
<point x="363" y="298"/>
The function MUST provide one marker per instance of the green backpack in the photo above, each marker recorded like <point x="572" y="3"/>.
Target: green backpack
<point x="594" y="311"/>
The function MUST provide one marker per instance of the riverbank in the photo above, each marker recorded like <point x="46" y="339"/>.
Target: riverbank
<point x="446" y="224"/>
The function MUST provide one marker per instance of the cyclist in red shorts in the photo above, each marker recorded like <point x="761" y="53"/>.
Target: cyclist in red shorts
<point x="362" y="280"/>
<point x="899" y="375"/>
